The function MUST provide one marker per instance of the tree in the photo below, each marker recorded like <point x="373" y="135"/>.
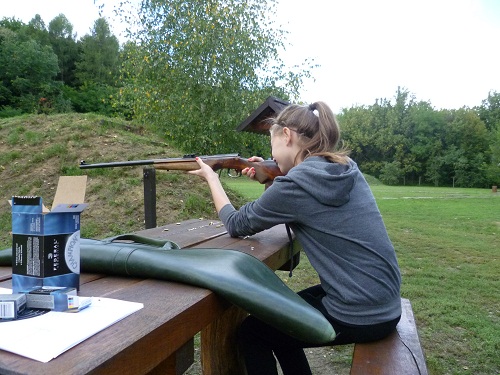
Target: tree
<point x="489" y="111"/>
<point x="28" y="71"/>
<point x="96" y="71"/>
<point x="427" y="140"/>
<point x="99" y="61"/>
<point x="64" y="45"/>
<point x="37" y="30"/>
<point x="391" y="173"/>
<point x="409" y="140"/>
<point x="493" y="167"/>
<point x="12" y="24"/>
<point x="200" y="68"/>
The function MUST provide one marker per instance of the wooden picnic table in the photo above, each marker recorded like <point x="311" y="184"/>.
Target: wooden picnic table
<point x="159" y="339"/>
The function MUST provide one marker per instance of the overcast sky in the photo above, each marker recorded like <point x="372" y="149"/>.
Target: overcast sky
<point x="442" y="51"/>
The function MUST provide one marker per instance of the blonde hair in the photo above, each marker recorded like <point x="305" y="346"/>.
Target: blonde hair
<point x="318" y="130"/>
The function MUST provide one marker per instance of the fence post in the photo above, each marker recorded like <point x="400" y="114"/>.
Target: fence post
<point x="149" y="178"/>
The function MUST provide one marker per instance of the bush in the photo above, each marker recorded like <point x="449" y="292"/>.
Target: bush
<point x="8" y="111"/>
<point x="391" y="173"/>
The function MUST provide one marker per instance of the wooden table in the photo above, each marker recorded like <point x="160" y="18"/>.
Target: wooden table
<point x="159" y="338"/>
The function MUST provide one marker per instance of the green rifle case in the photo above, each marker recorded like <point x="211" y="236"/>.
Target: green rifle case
<point x="239" y="277"/>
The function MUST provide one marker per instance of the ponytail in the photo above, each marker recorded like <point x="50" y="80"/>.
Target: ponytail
<point x="318" y="130"/>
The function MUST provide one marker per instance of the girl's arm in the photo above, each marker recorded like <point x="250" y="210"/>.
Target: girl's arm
<point x="219" y="196"/>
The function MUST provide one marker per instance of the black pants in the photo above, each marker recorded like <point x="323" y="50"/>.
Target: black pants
<point x="260" y="343"/>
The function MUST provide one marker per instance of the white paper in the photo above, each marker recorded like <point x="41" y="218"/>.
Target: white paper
<point x="44" y="337"/>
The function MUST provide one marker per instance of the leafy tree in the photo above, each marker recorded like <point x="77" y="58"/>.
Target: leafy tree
<point x="96" y="71"/>
<point x="489" y="111"/>
<point x="99" y="63"/>
<point x="362" y="131"/>
<point x="63" y="42"/>
<point x="200" y="68"/>
<point x="409" y="141"/>
<point x="27" y="73"/>
<point x="493" y="167"/>
<point x="12" y="24"/>
<point x="427" y="140"/>
<point x="91" y="97"/>
<point x="37" y="30"/>
<point x="383" y="134"/>
<point x="391" y="173"/>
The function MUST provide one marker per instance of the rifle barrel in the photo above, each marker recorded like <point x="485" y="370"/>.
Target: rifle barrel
<point x="84" y="165"/>
<point x="190" y="157"/>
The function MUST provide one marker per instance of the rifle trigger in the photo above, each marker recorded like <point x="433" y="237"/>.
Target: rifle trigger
<point x="238" y="173"/>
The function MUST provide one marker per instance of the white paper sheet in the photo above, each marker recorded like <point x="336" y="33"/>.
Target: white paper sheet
<point x="45" y="337"/>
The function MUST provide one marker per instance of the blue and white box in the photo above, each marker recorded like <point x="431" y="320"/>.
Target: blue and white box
<point x="45" y="245"/>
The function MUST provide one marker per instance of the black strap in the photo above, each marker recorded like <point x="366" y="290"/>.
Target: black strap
<point x="290" y="247"/>
<point x="164" y="244"/>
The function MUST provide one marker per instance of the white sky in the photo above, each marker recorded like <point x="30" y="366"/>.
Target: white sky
<point x="443" y="51"/>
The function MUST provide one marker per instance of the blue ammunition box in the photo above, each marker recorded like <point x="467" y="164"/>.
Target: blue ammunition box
<point x="45" y="245"/>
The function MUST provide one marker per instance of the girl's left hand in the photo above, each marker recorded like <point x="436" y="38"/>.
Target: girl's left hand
<point x="205" y="170"/>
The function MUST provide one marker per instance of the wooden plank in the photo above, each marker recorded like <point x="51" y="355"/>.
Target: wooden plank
<point x="187" y="233"/>
<point x="270" y="246"/>
<point x="398" y="354"/>
<point x="5" y="273"/>
<point x="409" y="335"/>
<point x="177" y="363"/>
<point x="184" y="321"/>
<point x="171" y="317"/>
<point x="218" y="344"/>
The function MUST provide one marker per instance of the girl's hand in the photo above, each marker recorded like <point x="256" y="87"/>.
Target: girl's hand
<point x="250" y="171"/>
<point x="205" y="171"/>
<point x="218" y="194"/>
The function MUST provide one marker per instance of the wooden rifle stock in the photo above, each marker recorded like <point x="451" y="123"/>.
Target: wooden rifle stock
<point x="265" y="171"/>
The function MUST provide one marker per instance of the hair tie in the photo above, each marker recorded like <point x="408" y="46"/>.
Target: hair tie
<point x="314" y="110"/>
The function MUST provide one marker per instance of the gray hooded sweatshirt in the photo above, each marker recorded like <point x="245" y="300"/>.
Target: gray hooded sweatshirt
<point x="334" y="216"/>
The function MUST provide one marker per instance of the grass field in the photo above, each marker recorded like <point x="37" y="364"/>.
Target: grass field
<point x="448" y="246"/>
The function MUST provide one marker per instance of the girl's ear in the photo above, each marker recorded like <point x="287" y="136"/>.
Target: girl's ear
<point x="287" y="133"/>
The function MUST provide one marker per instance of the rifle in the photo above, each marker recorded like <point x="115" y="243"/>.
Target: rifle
<point x="265" y="171"/>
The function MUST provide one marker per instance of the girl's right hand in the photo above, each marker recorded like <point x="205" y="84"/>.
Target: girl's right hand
<point x="250" y="171"/>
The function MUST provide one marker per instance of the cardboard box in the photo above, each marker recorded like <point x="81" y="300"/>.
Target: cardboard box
<point x="50" y="298"/>
<point x="46" y="243"/>
<point x="11" y="305"/>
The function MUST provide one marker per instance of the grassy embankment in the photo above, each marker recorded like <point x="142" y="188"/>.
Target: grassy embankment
<point x="36" y="150"/>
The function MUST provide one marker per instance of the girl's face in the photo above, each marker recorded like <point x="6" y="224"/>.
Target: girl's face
<point x="283" y="149"/>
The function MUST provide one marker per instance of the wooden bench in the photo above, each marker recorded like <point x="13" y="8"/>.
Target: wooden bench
<point x="398" y="354"/>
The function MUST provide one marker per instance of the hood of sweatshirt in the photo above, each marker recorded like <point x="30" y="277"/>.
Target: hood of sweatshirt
<point x="330" y="183"/>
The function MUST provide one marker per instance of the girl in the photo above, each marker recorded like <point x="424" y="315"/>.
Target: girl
<point x="329" y="206"/>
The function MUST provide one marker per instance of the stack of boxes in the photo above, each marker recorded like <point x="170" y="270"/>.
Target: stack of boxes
<point x="46" y="243"/>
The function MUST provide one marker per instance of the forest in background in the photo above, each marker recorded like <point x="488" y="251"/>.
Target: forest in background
<point x="192" y="72"/>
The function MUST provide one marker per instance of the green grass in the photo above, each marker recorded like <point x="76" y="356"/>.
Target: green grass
<point x="249" y="189"/>
<point x="448" y="242"/>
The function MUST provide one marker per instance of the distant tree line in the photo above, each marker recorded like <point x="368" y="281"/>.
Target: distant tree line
<point x="193" y="71"/>
<point x="405" y="141"/>
<point x="45" y="69"/>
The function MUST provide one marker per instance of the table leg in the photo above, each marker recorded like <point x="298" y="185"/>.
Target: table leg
<point x="219" y="355"/>
<point x="178" y="362"/>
